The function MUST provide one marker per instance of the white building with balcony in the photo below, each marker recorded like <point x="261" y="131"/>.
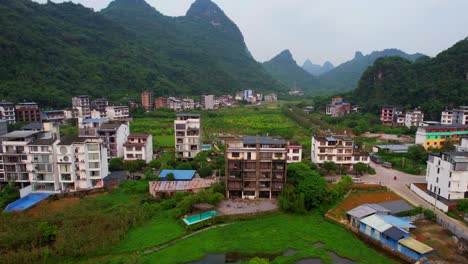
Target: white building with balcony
<point x="294" y="153"/>
<point x="188" y="138"/>
<point x="447" y="175"/>
<point x="139" y="147"/>
<point x="414" y="118"/>
<point x="8" y="112"/>
<point x="339" y="150"/>
<point x="42" y="166"/>
<point x="115" y="113"/>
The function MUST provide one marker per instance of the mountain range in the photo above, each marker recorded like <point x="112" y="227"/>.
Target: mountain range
<point x="430" y="83"/>
<point x="50" y="52"/>
<point x="342" y="78"/>
<point x="316" y="69"/>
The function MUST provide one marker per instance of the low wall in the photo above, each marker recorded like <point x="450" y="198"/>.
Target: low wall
<point x="415" y="217"/>
<point x="79" y="193"/>
<point x="25" y="191"/>
<point x="443" y="207"/>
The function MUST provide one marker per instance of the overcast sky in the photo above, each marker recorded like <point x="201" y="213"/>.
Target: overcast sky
<point x="333" y="30"/>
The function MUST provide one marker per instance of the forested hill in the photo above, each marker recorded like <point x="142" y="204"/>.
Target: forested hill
<point x="284" y="68"/>
<point x="49" y="52"/>
<point x="432" y="84"/>
<point x="346" y="76"/>
<point x="316" y="69"/>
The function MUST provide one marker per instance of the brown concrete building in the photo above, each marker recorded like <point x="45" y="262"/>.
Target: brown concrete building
<point x="28" y="112"/>
<point x="160" y="102"/>
<point x="255" y="167"/>
<point x="147" y="101"/>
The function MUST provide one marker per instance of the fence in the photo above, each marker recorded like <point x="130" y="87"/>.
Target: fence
<point x="456" y="231"/>
<point x="432" y="200"/>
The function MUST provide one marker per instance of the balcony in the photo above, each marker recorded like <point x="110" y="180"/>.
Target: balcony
<point x="46" y="178"/>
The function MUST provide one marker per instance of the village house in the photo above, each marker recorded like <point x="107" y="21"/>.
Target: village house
<point x="139" y="147"/>
<point x="255" y="167"/>
<point x="447" y="175"/>
<point x="188" y="137"/>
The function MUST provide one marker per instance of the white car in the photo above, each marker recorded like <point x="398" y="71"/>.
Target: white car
<point x="357" y="180"/>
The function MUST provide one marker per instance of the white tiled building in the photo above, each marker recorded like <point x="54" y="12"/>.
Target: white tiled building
<point x="447" y="117"/>
<point x="7" y="112"/>
<point x="340" y="150"/>
<point x="447" y="175"/>
<point x="139" y="147"/>
<point x="414" y="118"/>
<point x="114" y="113"/>
<point x="187" y="128"/>
<point x="460" y="116"/>
<point x="207" y="102"/>
<point x="294" y="153"/>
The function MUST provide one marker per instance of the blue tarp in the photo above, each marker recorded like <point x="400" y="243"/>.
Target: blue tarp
<point x="179" y="175"/>
<point x="26" y="202"/>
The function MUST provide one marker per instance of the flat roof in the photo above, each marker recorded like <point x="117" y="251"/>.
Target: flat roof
<point x="396" y="147"/>
<point x="71" y="140"/>
<point x="20" y="134"/>
<point x="376" y="222"/>
<point x="179" y="175"/>
<point x="397" y="221"/>
<point x="444" y="126"/>
<point x="43" y="142"/>
<point x="52" y="111"/>
<point x="395" y="233"/>
<point x="366" y="210"/>
<point x="415" y="245"/>
<point x="396" y="207"/>
<point x="94" y="120"/>
<point x="263" y="140"/>
<point x="33" y="126"/>
<point x="188" y="115"/>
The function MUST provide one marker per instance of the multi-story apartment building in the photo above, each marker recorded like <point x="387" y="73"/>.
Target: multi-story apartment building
<point x="294" y="153"/>
<point x="113" y="134"/>
<point x="100" y="105"/>
<point x="435" y="136"/>
<point x="14" y="159"/>
<point x="207" y="102"/>
<point x="139" y="147"/>
<point x="160" y="102"/>
<point x="42" y="166"/>
<point x="174" y="104"/>
<point x="187" y="104"/>
<point x="460" y="116"/>
<point x="8" y="112"/>
<point x="81" y="163"/>
<point x="391" y="115"/>
<point x="3" y="127"/>
<point x="55" y="116"/>
<point x="256" y="167"/>
<point x="271" y="97"/>
<point x="447" y="175"/>
<point x="447" y="117"/>
<point x="81" y="107"/>
<point x="147" y="101"/>
<point x="338" y="149"/>
<point x="115" y="113"/>
<point x="28" y="112"/>
<point x="414" y="118"/>
<point x="188" y="136"/>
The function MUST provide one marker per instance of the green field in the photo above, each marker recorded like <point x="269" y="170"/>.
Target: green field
<point x="269" y="234"/>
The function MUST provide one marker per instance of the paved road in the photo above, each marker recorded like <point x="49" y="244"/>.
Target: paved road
<point x="385" y="177"/>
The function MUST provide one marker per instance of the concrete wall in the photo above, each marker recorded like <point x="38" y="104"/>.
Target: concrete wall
<point x="25" y="191"/>
<point x="429" y="198"/>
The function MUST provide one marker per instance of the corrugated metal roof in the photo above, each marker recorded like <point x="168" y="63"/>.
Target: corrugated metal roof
<point x="169" y="186"/>
<point x="366" y="210"/>
<point x="397" y="221"/>
<point x="395" y="148"/>
<point x="20" y="134"/>
<point x="396" y="207"/>
<point x="376" y="222"/>
<point x="415" y="245"/>
<point x="179" y="175"/>
<point x="378" y="208"/>
<point x="263" y="140"/>
<point x="395" y="233"/>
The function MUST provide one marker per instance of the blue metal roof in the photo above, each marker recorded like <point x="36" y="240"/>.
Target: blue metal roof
<point x="94" y="120"/>
<point x="397" y="221"/>
<point x="179" y="175"/>
<point x="26" y="202"/>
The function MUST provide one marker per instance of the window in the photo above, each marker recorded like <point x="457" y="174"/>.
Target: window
<point x="44" y="149"/>
<point x="93" y="156"/>
<point x="34" y="149"/>
<point x="94" y="165"/>
<point x="438" y="170"/>
<point x="295" y="151"/>
<point x="93" y="147"/>
<point x="278" y="155"/>
<point x="295" y="158"/>
<point x="449" y="184"/>
<point x="235" y="154"/>
<point x="437" y="180"/>
<point x="64" y="168"/>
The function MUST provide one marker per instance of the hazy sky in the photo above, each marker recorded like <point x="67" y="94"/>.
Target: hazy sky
<point x="334" y="29"/>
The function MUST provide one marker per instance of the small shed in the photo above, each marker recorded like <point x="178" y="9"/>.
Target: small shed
<point x="355" y="215"/>
<point x="413" y="248"/>
<point x="396" y="207"/>
<point x="179" y="175"/>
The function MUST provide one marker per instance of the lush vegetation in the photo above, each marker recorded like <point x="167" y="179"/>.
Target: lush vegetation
<point x="413" y="162"/>
<point x="432" y="84"/>
<point x="273" y="234"/>
<point x="7" y="195"/>
<point x="60" y="50"/>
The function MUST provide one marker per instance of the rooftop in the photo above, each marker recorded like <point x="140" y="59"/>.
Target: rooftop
<point x="71" y="140"/>
<point x="139" y="135"/>
<point x="395" y="233"/>
<point x="365" y="210"/>
<point x="179" y="175"/>
<point x="19" y="134"/>
<point x="166" y="186"/>
<point x="43" y="142"/>
<point x="112" y="126"/>
<point x="52" y="111"/>
<point x="396" y="207"/>
<point x="395" y="148"/>
<point x="33" y="126"/>
<point x="415" y="245"/>
<point x="263" y="140"/>
<point x="445" y="126"/>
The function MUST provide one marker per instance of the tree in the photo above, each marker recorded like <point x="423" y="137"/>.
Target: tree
<point x="116" y="164"/>
<point x="360" y="168"/>
<point x="297" y="172"/>
<point x="155" y="164"/>
<point x="205" y="171"/>
<point x="184" y="166"/>
<point x="290" y="201"/>
<point x="170" y="177"/>
<point x="329" y="166"/>
<point x="449" y="145"/>
<point x="417" y="153"/>
<point x="314" y="189"/>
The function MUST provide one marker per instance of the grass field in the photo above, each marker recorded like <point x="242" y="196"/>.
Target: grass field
<point x="273" y="234"/>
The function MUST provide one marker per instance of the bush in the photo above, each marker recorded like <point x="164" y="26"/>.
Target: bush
<point x="8" y="195"/>
<point x="184" y="166"/>
<point x="371" y="171"/>
<point x="155" y="164"/>
<point x="170" y="177"/>
<point x="462" y="205"/>
<point x="205" y="172"/>
<point x="429" y="214"/>
<point x="116" y="164"/>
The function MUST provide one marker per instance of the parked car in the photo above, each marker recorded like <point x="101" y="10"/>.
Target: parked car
<point x="357" y="180"/>
<point x="387" y="165"/>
